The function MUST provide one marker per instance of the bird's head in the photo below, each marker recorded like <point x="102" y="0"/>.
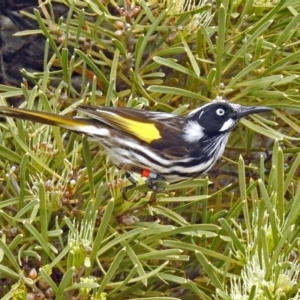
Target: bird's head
<point x="216" y="118"/>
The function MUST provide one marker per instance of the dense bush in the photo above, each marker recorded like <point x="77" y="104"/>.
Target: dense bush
<point x="67" y="232"/>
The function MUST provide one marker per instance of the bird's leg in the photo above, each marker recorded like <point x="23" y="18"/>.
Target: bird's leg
<point x="132" y="180"/>
<point x="154" y="182"/>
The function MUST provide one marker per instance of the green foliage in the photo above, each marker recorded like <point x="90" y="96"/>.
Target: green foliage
<point x="66" y="229"/>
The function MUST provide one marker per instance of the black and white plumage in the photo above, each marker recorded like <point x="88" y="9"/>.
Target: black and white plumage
<point x="174" y="148"/>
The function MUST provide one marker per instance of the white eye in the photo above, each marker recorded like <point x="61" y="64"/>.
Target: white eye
<point x="220" y="112"/>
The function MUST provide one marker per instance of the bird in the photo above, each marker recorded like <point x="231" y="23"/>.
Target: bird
<point x="158" y="145"/>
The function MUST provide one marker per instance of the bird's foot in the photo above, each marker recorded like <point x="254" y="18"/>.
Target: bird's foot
<point x="156" y="185"/>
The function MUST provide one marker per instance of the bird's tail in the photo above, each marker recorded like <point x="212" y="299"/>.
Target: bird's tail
<point x="75" y="124"/>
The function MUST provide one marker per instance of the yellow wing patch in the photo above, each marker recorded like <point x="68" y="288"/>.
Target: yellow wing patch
<point x="146" y="132"/>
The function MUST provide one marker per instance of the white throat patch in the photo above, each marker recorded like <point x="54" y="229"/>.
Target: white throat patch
<point x="192" y="132"/>
<point x="227" y="125"/>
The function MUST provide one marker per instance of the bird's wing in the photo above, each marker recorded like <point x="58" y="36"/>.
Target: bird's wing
<point x="132" y="122"/>
<point x="161" y="131"/>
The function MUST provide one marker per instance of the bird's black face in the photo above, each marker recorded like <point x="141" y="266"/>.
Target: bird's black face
<point x="221" y="117"/>
<point x="217" y="117"/>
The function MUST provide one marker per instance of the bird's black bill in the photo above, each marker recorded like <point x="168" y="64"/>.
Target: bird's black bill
<point x="250" y="110"/>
